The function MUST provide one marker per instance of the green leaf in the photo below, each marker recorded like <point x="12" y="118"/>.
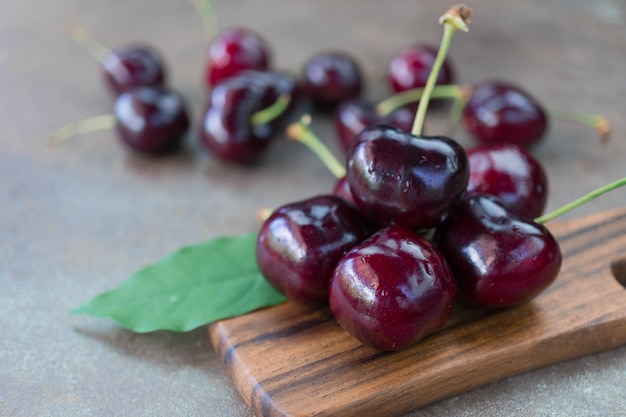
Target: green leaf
<point x="194" y="286"/>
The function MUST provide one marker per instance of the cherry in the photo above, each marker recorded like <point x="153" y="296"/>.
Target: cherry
<point x="501" y="112"/>
<point x="499" y="258"/>
<point x="352" y="116"/>
<point x="331" y="77"/>
<point x="300" y="243"/>
<point x="228" y="128"/>
<point x="124" y="67"/>
<point x="342" y="189"/>
<point x="130" y="66"/>
<point x="151" y="120"/>
<point x="235" y="50"/>
<point x="411" y="67"/>
<point x="148" y="120"/>
<point x="392" y="290"/>
<point x="400" y="178"/>
<point x="405" y="178"/>
<point x="511" y="173"/>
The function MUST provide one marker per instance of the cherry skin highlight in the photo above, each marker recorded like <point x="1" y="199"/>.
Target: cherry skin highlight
<point x="511" y="173"/>
<point x="501" y="112"/>
<point x="411" y="67"/>
<point x="130" y="66"/>
<point x="352" y="116"/>
<point x="227" y="130"/>
<point x="151" y="120"/>
<point x="331" y="77"/>
<point x="235" y="50"/>
<point x="392" y="290"/>
<point x="499" y="259"/>
<point x="399" y="178"/>
<point x="300" y="243"/>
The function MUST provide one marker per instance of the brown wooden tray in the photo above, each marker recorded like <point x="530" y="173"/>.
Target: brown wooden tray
<point x="293" y="360"/>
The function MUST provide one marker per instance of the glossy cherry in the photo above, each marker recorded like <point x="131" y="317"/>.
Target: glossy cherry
<point x="511" y="173"/>
<point x="151" y="120"/>
<point x="331" y="77"/>
<point x="227" y="129"/>
<point x="342" y="189"/>
<point x="411" y="67"/>
<point x="501" y="112"/>
<point x="235" y="50"/>
<point x="352" y="116"/>
<point x="300" y="243"/>
<point x="500" y="259"/>
<point x="392" y="290"/>
<point x="399" y="178"/>
<point x="134" y="65"/>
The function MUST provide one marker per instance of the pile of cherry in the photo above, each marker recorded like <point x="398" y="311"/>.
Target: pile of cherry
<point x="415" y="224"/>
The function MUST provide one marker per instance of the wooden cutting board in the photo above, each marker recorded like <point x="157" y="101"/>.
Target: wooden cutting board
<point x="293" y="360"/>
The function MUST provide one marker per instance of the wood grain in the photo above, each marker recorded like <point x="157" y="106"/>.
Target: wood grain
<point x="294" y="360"/>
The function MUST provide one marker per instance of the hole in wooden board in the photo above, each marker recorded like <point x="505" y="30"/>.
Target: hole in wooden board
<point x="618" y="268"/>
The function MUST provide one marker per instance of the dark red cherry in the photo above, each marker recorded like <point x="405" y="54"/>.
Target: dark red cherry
<point x="300" y="243"/>
<point x="235" y="50"/>
<point x="227" y="129"/>
<point x="411" y="67"/>
<point x="342" y="189"/>
<point x="392" y="290"/>
<point x="399" y="178"/>
<point x="500" y="259"/>
<point x="332" y="77"/>
<point x="130" y="66"/>
<point x="511" y="173"/>
<point x="352" y="116"/>
<point x="151" y="120"/>
<point x="501" y="112"/>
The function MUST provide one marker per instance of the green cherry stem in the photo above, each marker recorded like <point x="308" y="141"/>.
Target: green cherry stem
<point x="454" y="19"/>
<point x="301" y="131"/>
<point x="456" y="111"/>
<point x="271" y="112"/>
<point x="594" y="121"/>
<point x="81" y="37"/>
<point x="92" y="124"/>
<point x="264" y="213"/>
<point x="392" y="103"/>
<point x="207" y="11"/>
<point x="580" y="201"/>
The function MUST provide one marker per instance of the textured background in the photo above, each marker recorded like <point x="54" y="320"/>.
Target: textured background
<point x="78" y="218"/>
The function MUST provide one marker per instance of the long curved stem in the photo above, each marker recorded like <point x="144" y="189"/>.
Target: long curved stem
<point x="580" y="201"/>
<point x="301" y="131"/>
<point x="207" y="11"/>
<point x="594" y="121"/>
<point x="105" y="121"/>
<point x="96" y="49"/>
<point x="392" y="103"/>
<point x="456" y="112"/>
<point x="420" y="116"/>
<point x="272" y="111"/>
<point x="455" y="18"/>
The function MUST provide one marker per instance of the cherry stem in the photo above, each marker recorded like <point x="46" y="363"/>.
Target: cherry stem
<point x="264" y="213"/>
<point x="456" y="112"/>
<point x="455" y="18"/>
<point x="271" y="112"/>
<point x="105" y="121"/>
<point x="393" y="103"/>
<point x="598" y="122"/>
<point x="80" y="36"/>
<point x="580" y="201"/>
<point x="208" y="13"/>
<point x="301" y="131"/>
